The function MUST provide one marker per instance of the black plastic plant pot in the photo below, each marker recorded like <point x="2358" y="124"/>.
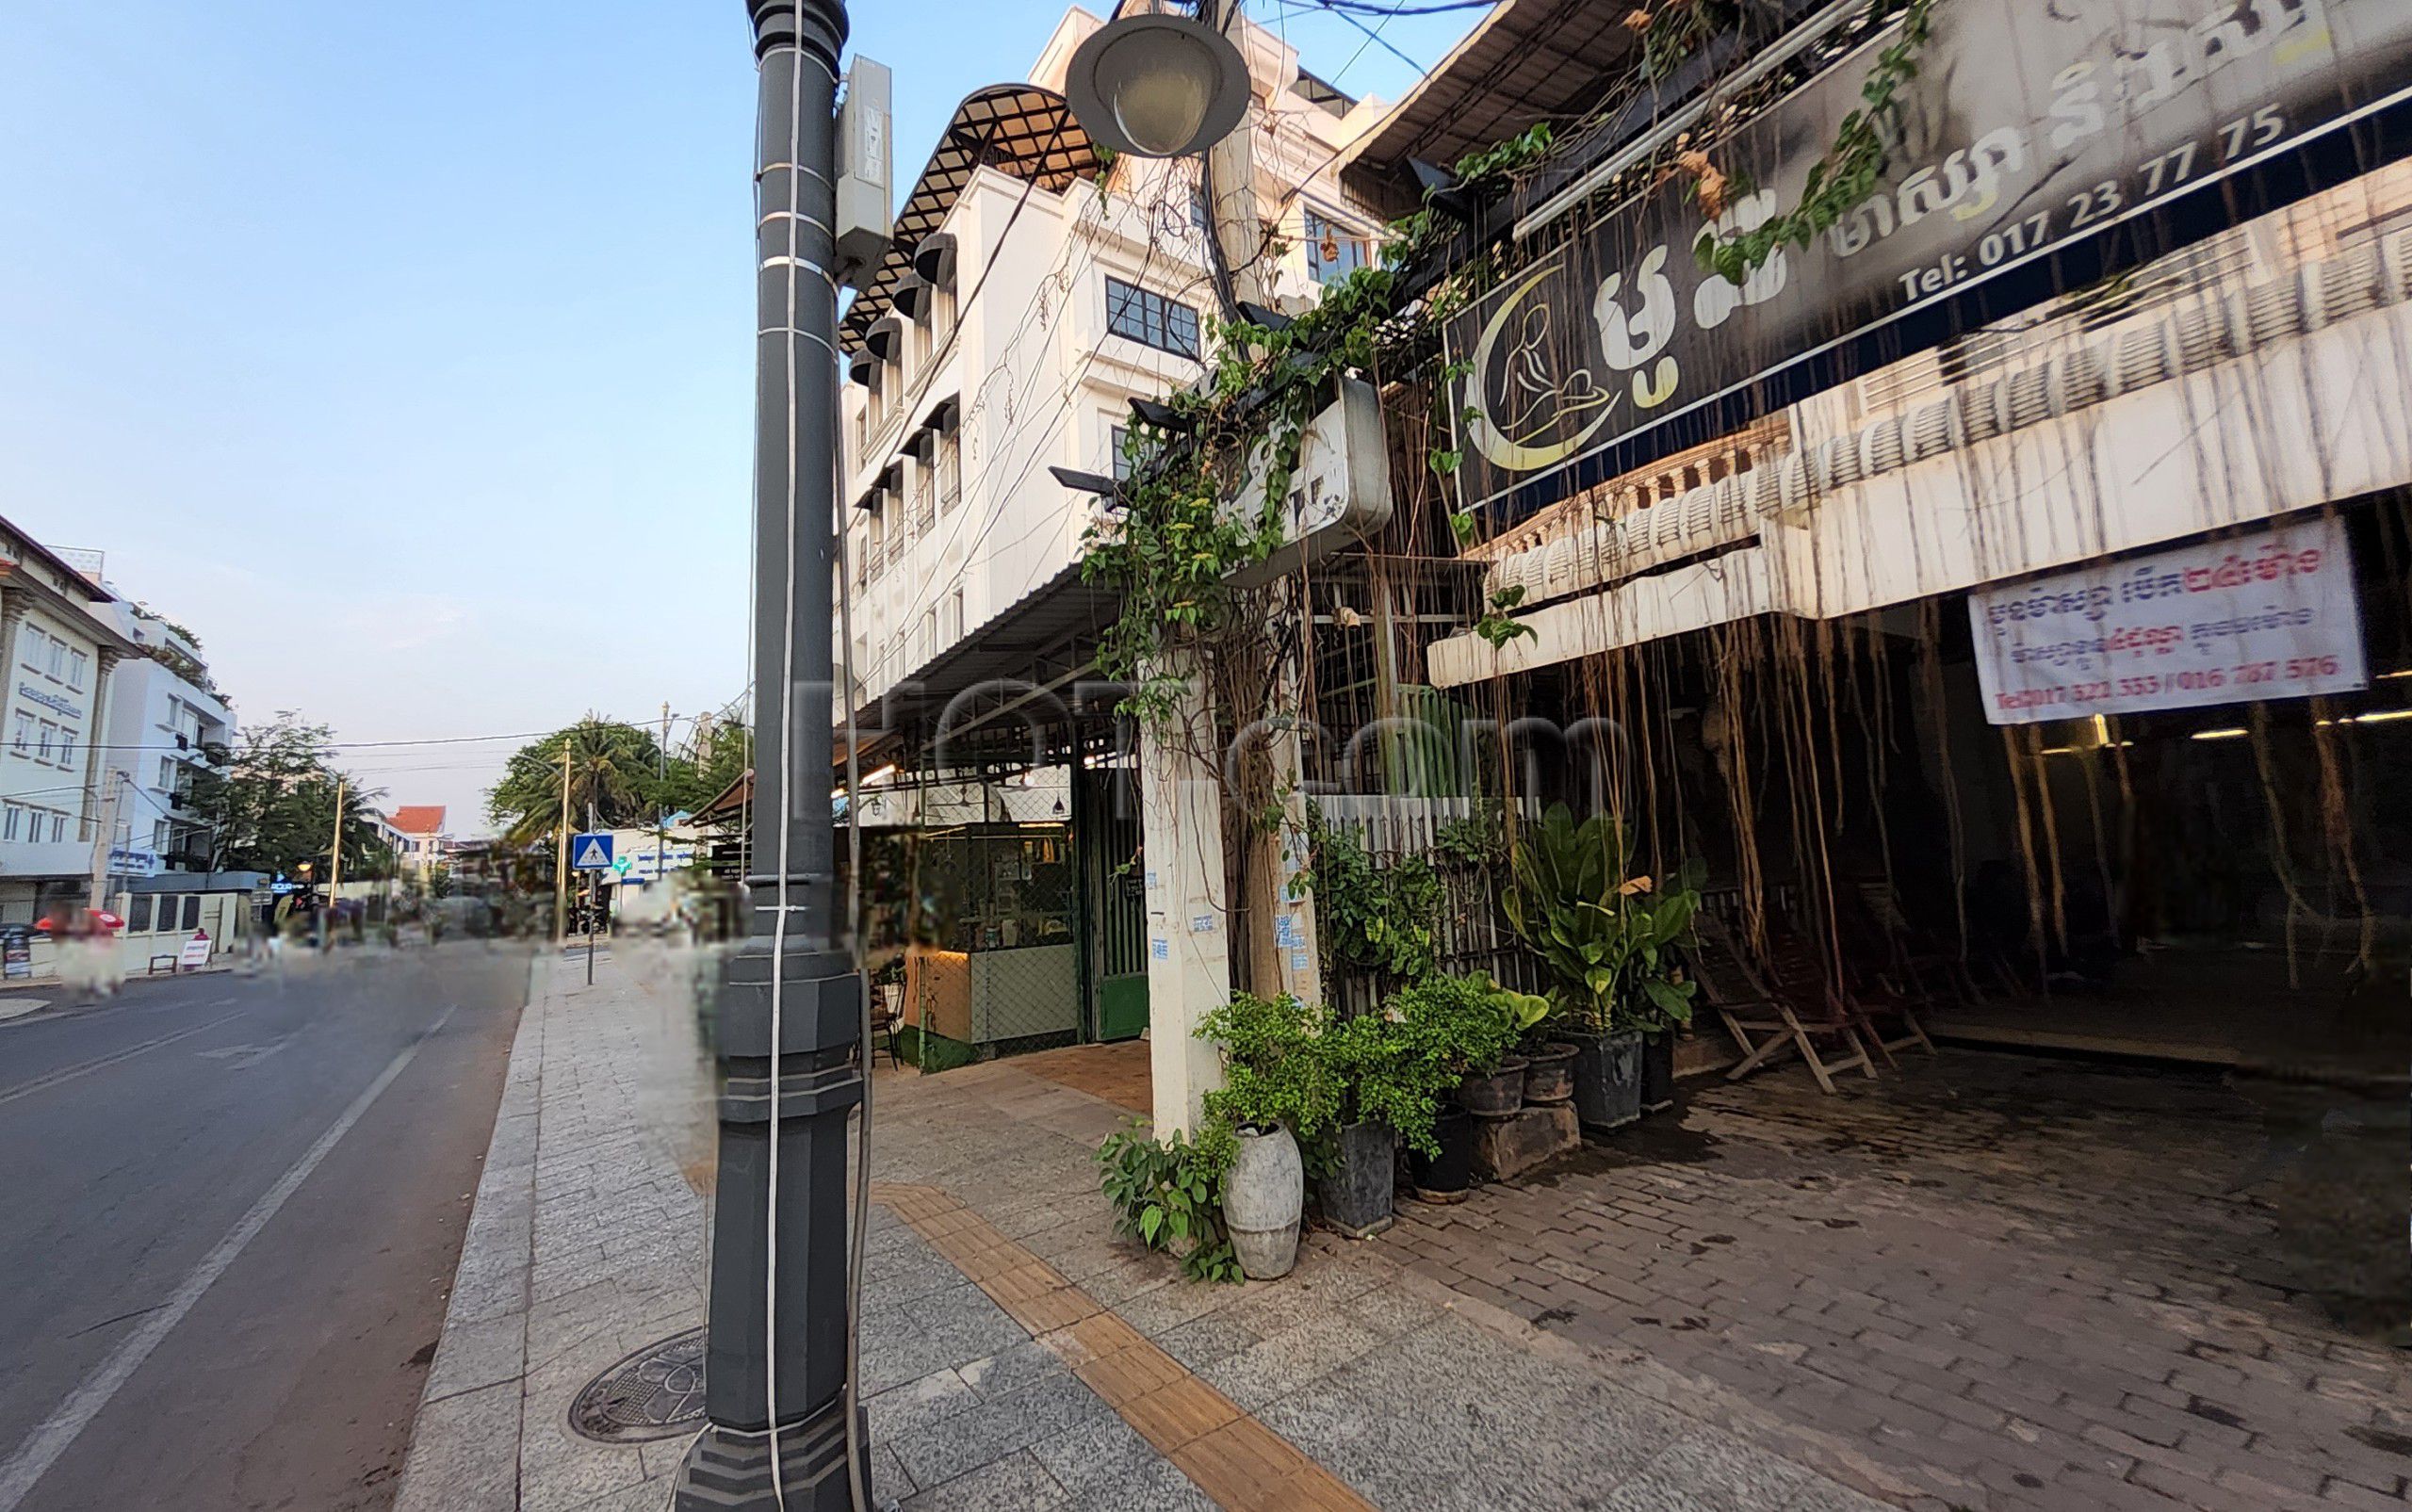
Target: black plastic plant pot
<point x="1494" y="1093"/>
<point x="1607" y="1080"/>
<point x="1448" y="1176"/>
<point x="1549" y="1073"/>
<point x="1356" y="1190"/>
<point x="1658" y="1072"/>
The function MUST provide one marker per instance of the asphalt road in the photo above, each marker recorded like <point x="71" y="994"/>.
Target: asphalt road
<point x="228" y="1224"/>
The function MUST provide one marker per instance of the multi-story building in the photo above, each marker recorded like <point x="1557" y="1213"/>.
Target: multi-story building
<point x="419" y="841"/>
<point x="60" y="642"/>
<point x="167" y="722"/>
<point x="1034" y="290"/>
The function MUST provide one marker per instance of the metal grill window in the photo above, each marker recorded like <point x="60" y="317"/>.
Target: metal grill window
<point x="1150" y="318"/>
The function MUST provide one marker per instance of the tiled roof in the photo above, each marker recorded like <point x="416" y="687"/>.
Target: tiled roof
<point x="419" y="818"/>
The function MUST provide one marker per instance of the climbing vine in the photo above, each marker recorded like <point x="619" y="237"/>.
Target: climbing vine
<point x="1171" y="549"/>
<point x="1840" y="180"/>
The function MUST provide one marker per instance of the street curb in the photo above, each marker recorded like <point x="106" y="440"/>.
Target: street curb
<point x="465" y="1443"/>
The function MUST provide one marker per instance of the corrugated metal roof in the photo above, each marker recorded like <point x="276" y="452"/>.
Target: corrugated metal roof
<point x="1528" y="61"/>
<point x="1018" y="129"/>
<point x="1019" y="668"/>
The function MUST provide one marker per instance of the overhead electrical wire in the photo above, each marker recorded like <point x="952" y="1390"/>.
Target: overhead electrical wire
<point x="1067" y="403"/>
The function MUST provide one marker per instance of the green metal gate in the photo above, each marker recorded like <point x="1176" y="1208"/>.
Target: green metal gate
<point x="1112" y="877"/>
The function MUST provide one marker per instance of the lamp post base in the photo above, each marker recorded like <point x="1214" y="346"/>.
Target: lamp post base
<point x="728" y="1470"/>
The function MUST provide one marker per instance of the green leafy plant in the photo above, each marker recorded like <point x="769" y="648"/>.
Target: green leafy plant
<point x="1453" y="1024"/>
<point x="1611" y="940"/>
<point x="1274" y="1071"/>
<point x="1479" y="839"/>
<point x="1169" y="1195"/>
<point x="1496" y="625"/>
<point x="1384" y="1077"/>
<point x="1521" y="1011"/>
<point x="1848" y="172"/>
<point x="1368" y="917"/>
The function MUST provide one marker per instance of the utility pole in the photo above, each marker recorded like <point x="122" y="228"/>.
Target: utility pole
<point x="335" y="874"/>
<point x="594" y="898"/>
<point x="791" y="1005"/>
<point x="560" y="857"/>
<point x="1190" y="905"/>
<point x="102" y="873"/>
<point x="660" y="814"/>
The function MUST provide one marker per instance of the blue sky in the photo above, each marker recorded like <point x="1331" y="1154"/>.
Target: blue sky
<point x="403" y="352"/>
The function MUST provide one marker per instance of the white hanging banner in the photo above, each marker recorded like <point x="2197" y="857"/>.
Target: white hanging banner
<point x="2269" y="615"/>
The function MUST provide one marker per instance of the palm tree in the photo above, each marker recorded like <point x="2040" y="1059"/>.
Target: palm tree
<point x="613" y="773"/>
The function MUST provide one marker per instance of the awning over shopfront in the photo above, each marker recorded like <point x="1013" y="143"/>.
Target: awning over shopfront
<point x="1528" y="62"/>
<point x="1010" y="691"/>
<point x="2085" y="439"/>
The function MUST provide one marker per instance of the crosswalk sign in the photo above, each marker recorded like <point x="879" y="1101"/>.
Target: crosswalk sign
<point x="591" y="852"/>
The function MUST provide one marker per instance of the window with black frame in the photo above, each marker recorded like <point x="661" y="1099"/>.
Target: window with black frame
<point x="1148" y="318"/>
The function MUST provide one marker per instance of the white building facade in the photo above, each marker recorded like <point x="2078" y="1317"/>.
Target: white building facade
<point x="60" y="642"/>
<point x="167" y="722"/>
<point x="1033" y="291"/>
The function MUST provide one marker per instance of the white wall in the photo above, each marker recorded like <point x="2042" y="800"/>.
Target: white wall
<point x="150" y="706"/>
<point x="53" y="688"/>
<point x="1039" y="379"/>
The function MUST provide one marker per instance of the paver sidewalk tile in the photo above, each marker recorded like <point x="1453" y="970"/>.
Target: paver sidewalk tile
<point x="1247" y="1468"/>
<point x="1171" y="1416"/>
<point x="1128" y="1375"/>
<point x="1016" y="1482"/>
<point x="1093" y="1337"/>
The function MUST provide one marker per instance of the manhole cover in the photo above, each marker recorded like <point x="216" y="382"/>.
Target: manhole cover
<point x="658" y="1392"/>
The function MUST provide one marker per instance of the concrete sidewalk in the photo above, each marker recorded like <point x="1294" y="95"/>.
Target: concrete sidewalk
<point x="1015" y="1353"/>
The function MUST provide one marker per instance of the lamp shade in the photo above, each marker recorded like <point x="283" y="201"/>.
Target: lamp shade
<point x="1157" y="85"/>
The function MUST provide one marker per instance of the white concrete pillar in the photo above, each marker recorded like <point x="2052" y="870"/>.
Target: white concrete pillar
<point x="1189" y="917"/>
<point x="1298" y="961"/>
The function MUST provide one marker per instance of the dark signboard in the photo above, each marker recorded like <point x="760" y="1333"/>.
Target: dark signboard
<point x="2044" y="144"/>
<point x="16" y="950"/>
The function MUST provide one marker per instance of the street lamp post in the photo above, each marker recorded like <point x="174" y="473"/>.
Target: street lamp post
<point x="775" y="1371"/>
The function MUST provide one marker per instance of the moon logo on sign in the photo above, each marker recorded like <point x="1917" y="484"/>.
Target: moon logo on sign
<point x="1535" y="402"/>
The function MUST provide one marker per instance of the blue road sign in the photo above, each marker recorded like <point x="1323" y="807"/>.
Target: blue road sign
<point x="591" y="852"/>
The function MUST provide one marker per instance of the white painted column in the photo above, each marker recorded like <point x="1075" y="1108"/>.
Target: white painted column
<point x="1189" y="964"/>
<point x="1297" y="962"/>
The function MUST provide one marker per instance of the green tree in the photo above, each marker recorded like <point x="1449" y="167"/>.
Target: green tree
<point x="616" y="772"/>
<point x="273" y="808"/>
<point x="692" y="781"/>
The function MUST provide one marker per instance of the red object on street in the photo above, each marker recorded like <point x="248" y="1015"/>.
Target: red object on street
<point x="98" y="915"/>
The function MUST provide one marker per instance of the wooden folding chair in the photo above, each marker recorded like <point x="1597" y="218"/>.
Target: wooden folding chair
<point x="1864" y="1008"/>
<point x="1884" y="973"/>
<point x="1768" y="1024"/>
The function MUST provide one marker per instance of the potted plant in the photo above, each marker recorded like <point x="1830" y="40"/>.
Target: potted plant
<point x="1657" y="995"/>
<point x="1389" y="1092"/>
<point x="1609" y="945"/>
<point x="1445" y="1026"/>
<point x="1494" y="1083"/>
<point x="1277" y="1090"/>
